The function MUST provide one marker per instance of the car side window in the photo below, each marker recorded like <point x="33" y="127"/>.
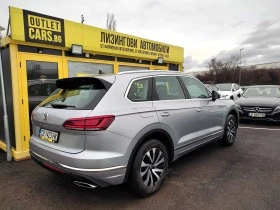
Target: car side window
<point x="195" y="88"/>
<point x="139" y="90"/>
<point x="168" y="88"/>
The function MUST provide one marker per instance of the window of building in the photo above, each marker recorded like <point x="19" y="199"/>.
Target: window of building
<point x="83" y="68"/>
<point x="132" y="68"/>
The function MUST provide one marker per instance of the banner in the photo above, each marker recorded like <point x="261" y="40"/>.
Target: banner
<point x="38" y="28"/>
<point x="43" y="29"/>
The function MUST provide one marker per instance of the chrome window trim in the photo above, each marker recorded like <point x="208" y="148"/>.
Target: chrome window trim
<point x="158" y="75"/>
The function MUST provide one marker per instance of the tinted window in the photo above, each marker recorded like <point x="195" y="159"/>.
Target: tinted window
<point x="139" y="90"/>
<point x="196" y="89"/>
<point x="168" y="88"/>
<point x="76" y="93"/>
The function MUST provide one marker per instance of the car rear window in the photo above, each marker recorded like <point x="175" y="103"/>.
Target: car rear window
<point x="77" y="93"/>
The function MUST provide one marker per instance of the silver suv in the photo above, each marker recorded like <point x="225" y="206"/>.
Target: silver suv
<point x="128" y="127"/>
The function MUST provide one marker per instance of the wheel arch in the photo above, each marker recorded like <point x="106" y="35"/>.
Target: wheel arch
<point x="234" y="112"/>
<point x="159" y="134"/>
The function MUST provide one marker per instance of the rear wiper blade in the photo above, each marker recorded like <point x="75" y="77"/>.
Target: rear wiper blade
<point x="61" y="106"/>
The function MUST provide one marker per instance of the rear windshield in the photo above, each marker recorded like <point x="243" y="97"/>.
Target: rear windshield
<point x="77" y="93"/>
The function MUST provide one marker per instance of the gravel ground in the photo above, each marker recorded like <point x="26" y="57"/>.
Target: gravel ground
<point x="244" y="176"/>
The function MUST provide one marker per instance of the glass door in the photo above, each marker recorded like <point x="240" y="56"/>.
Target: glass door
<point x="38" y="75"/>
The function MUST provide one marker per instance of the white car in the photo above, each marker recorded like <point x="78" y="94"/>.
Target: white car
<point x="212" y="87"/>
<point x="230" y="90"/>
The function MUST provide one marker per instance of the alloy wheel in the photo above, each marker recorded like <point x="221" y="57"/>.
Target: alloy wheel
<point x="152" y="167"/>
<point x="231" y="130"/>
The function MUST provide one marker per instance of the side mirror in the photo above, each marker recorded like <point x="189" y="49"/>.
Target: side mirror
<point x="215" y="95"/>
<point x="238" y="95"/>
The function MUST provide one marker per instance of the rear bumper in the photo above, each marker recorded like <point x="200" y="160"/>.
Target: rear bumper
<point x="81" y="166"/>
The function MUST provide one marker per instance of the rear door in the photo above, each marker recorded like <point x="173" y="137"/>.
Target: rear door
<point x="175" y="111"/>
<point x="210" y="113"/>
<point x="71" y="103"/>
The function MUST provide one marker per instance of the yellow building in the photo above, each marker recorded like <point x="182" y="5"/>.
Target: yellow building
<point x="41" y="49"/>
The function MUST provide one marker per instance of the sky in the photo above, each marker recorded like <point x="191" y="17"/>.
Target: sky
<point x="206" y="29"/>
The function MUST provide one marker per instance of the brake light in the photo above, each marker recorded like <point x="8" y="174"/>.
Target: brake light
<point x="89" y="123"/>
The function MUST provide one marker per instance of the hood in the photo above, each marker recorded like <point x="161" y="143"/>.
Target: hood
<point x="270" y="102"/>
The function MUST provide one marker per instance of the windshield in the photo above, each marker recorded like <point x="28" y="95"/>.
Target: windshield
<point x="262" y="92"/>
<point x="224" y="87"/>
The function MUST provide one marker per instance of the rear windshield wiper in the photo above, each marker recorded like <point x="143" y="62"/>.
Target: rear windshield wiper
<point x="61" y="106"/>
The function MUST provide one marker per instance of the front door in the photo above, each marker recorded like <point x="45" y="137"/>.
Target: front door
<point x="175" y="111"/>
<point x="38" y="76"/>
<point x="210" y="113"/>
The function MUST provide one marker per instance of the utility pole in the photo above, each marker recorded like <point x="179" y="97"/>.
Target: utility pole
<point x="240" y="68"/>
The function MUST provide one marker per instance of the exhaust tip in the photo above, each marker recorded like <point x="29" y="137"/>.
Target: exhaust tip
<point x="84" y="184"/>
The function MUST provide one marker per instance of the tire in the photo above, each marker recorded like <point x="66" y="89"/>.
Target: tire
<point x="230" y="131"/>
<point x="149" y="168"/>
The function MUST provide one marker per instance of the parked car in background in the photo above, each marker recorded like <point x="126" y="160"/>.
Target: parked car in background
<point x="260" y="102"/>
<point x="244" y="87"/>
<point x="110" y="129"/>
<point x="212" y="87"/>
<point x="230" y="90"/>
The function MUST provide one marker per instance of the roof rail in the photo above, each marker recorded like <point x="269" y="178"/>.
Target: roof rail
<point x="141" y="71"/>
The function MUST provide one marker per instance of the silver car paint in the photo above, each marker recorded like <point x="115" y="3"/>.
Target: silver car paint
<point x="105" y="155"/>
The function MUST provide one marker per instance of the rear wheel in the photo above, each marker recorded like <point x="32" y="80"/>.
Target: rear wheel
<point x="230" y="131"/>
<point x="149" y="168"/>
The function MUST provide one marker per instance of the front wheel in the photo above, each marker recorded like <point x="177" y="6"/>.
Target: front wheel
<point x="149" y="168"/>
<point x="230" y="131"/>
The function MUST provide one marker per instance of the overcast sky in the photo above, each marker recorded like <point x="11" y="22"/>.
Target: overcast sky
<point x="205" y="28"/>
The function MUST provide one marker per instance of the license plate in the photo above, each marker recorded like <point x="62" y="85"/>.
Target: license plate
<point x="257" y="114"/>
<point x="49" y="136"/>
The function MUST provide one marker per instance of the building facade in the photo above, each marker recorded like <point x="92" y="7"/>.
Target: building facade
<point x="41" y="49"/>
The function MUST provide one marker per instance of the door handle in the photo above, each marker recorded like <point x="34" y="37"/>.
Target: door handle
<point x="199" y="110"/>
<point x="165" y="114"/>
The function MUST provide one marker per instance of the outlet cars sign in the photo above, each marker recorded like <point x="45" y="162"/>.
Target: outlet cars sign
<point x="33" y="27"/>
<point x="43" y="29"/>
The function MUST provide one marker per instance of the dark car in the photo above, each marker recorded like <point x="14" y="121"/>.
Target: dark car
<point x="260" y="102"/>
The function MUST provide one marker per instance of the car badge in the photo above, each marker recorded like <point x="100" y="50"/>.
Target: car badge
<point x="257" y="109"/>
<point x="45" y="116"/>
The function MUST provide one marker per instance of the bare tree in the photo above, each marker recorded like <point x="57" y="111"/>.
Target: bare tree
<point x="111" y="23"/>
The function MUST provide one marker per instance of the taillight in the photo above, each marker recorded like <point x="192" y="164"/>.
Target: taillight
<point x="89" y="123"/>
